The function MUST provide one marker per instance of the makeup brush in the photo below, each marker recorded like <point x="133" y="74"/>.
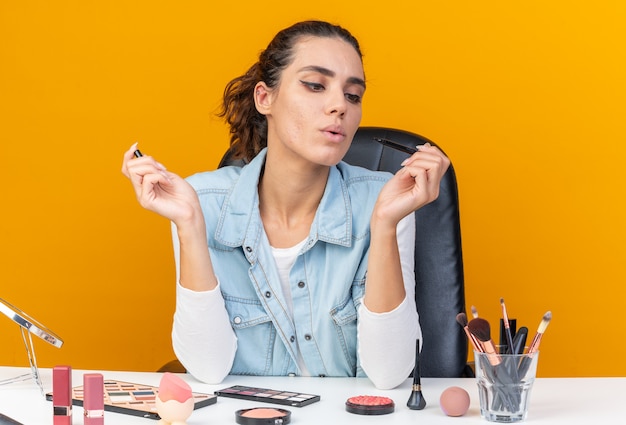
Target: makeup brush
<point x="507" y="328"/>
<point x="480" y="328"/>
<point x="534" y="345"/>
<point x="416" y="401"/>
<point x="461" y="318"/>
<point x="474" y="312"/>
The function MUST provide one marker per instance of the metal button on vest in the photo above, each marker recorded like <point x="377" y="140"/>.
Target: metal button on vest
<point x="237" y="320"/>
<point x="301" y="284"/>
<point x="307" y="337"/>
<point x="292" y="339"/>
<point x="249" y="249"/>
<point x="268" y="294"/>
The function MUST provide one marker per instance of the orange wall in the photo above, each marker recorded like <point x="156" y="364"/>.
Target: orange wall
<point x="526" y="98"/>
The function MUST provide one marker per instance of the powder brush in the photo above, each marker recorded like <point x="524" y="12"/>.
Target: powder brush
<point x="480" y="328"/>
<point x="461" y="318"/>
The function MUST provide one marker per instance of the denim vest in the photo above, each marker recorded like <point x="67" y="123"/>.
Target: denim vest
<point x="327" y="280"/>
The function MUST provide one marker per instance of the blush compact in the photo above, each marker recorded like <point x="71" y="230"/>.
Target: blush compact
<point x="370" y="405"/>
<point x="263" y="416"/>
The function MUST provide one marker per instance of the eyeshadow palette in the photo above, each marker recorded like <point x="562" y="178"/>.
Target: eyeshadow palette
<point x="133" y="399"/>
<point x="5" y="420"/>
<point x="287" y="398"/>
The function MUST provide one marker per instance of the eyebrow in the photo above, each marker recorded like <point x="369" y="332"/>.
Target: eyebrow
<point x="327" y="72"/>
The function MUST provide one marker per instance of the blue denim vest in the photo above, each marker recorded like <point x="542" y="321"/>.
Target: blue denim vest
<point x="327" y="280"/>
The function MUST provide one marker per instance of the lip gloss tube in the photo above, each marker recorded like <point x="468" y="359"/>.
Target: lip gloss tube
<point x="93" y="403"/>
<point x="62" y="395"/>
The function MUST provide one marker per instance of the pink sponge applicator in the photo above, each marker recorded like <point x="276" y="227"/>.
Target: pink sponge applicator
<point x="172" y="387"/>
<point x="175" y="402"/>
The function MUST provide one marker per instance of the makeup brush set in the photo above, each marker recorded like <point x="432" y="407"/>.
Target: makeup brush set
<point x="503" y="370"/>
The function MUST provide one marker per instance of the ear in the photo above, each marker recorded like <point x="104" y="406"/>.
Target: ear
<point x="262" y="98"/>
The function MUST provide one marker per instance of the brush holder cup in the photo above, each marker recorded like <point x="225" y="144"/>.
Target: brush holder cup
<point x="504" y="385"/>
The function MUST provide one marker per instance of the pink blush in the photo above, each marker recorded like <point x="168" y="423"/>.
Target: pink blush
<point x="262" y="416"/>
<point x="370" y="400"/>
<point x="263" y="413"/>
<point x="370" y="405"/>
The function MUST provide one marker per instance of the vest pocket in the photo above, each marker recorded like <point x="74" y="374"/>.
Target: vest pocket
<point x="255" y="336"/>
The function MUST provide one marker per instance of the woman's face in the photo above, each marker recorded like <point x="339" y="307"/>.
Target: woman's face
<point x="315" y="109"/>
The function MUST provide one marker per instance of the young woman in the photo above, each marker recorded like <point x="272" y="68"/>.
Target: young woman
<point x="296" y="263"/>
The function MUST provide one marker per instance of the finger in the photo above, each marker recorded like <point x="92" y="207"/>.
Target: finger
<point x="128" y="155"/>
<point x="132" y="149"/>
<point x="421" y="181"/>
<point x="150" y="185"/>
<point x="138" y="172"/>
<point x="137" y="163"/>
<point x="425" y="151"/>
<point x="150" y="180"/>
<point x="425" y="185"/>
<point x="435" y="162"/>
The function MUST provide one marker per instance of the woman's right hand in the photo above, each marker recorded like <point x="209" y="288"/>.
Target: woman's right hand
<point x="159" y="190"/>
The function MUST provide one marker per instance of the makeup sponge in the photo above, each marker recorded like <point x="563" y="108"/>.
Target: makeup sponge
<point x="174" y="402"/>
<point x="454" y="401"/>
<point x="172" y="387"/>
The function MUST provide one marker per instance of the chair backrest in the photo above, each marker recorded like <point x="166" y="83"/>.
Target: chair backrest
<point x="439" y="282"/>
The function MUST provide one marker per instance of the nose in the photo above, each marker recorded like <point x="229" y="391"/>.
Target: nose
<point x="337" y="102"/>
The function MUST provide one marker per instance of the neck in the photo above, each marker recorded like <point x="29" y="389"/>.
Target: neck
<point x="289" y="196"/>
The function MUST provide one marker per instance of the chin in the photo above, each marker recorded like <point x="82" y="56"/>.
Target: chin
<point x="334" y="156"/>
<point x="329" y="162"/>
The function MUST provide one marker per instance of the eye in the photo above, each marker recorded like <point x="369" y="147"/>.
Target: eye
<point x="353" y="98"/>
<point x="313" y="86"/>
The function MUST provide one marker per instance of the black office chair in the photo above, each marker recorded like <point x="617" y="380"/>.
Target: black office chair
<point x="439" y="282"/>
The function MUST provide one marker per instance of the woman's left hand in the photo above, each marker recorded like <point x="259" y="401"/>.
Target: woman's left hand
<point x="414" y="186"/>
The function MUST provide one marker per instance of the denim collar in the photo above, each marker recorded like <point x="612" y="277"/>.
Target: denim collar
<point x="240" y="222"/>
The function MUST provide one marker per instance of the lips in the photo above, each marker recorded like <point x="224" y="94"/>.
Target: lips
<point x="336" y="129"/>
<point x="334" y="133"/>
